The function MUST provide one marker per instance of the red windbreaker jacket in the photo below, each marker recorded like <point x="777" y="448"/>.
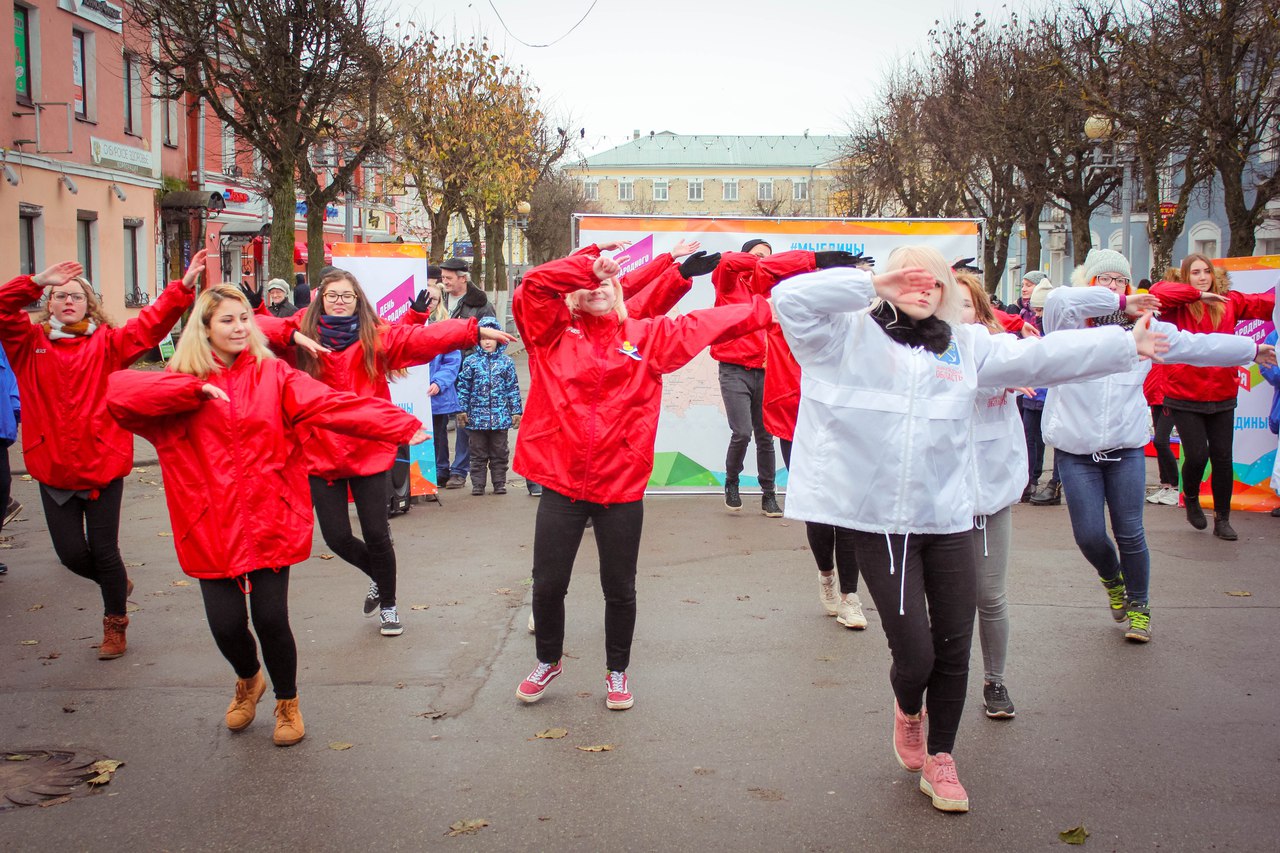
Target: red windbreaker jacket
<point x="732" y="280"/>
<point x="782" y="372"/>
<point x="68" y="439"/>
<point x="1206" y="384"/>
<point x="596" y="384"/>
<point x="235" y="483"/>
<point x="334" y="456"/>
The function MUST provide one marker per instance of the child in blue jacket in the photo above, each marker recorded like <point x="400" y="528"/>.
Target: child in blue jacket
<point x="489" y="399"/>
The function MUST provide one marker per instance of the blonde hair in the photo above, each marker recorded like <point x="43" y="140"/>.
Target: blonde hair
<point x="92" y="307"/>
<point x="439" y="312"/>
<point x="574" y="300"/>
<point x="932" y="261"/>
<point x="981" y="302"/>
<point x="194" y="354"/>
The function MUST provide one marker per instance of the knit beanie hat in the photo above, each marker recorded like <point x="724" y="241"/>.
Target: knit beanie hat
<point x="1041" y="293"/>
<point x="1100" y="261"/>
<point x="1035" y="276"/>
<point x="751" y="244"/>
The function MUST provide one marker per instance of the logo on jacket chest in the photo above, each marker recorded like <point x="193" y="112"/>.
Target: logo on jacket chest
<point x="629" y="350"/>
<point x="948" y="367"/>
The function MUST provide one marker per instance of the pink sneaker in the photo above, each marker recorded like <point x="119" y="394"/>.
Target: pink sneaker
<point x="908" y="739"/>
<point x="619" y="698"/>
<point x="530" y="690"/>
<point x="940" y="781"/>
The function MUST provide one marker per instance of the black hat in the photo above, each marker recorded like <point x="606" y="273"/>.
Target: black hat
<point x="966" y="265"/>
<point x="456" y="264"/>
<point x="433" y="273"/>
<point x="751" y="244"/>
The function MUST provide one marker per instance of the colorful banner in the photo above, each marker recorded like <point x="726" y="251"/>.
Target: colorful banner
<point x="693" y="432"/>
<point x="391" y="274"/>
<point x="1254" y="445"/>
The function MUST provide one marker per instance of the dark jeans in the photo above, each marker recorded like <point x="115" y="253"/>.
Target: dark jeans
<point x="742" y="389"/>
<point x="1162" y="424"/>
<point x="489" y="453"/>
<point x="375" y="555"/>
<point x="1114" y="482"/>
<point x="557" y="535"/>
<point x="828" y="551"/>
<point x="86" y="538"/>
<point x="1031" y="420"/>
<point x="1207" y="439"/>
<point x="926" y="608"/>
<point x="462" y="450"/>
<point x="268" y="595"/>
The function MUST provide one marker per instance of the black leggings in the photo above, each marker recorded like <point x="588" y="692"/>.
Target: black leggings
<point x="824" y="545"/>
<point x="1162" y="426"/>
<point x="1207" y="438"/>
<point x="86" y="538"/>
<point x="926" y="608"/>
<point x="557" y="535"/>
<point x="268" y="594"/>
<point x="375" y="555"/>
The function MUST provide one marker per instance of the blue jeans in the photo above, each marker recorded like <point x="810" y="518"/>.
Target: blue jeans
<point x="1118" y="481"/>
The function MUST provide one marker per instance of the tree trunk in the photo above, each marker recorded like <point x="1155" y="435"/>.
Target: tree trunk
<point x="496" y="264"/>
<point x="315" y="239"/>
<point x="477" y="246"/>
<point x="439" y="231"/>
<point x="284" y="207"/>
<point x="1242" y="220"/>
<point x="995" y="253"/>
<point x="1031" y="244"/>
<point x="1081" y="236"/>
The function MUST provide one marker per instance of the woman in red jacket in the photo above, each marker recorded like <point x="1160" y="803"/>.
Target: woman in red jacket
<point x="363" y="353"/>
<point x="588" y="434"/>
<point x="77" y="453"/>
<point x="1203" y="399"/>
<point x="225" y="419"/>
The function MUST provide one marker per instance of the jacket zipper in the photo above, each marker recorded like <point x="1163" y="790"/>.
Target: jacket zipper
<point x="917" y="357"/>
<point x="591" y="440"/>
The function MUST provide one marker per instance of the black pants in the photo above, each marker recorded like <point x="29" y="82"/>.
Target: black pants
<point x="1031" y="426"/>
<point x="6" y="483"/>
<point x="86" y="538"/>
<point x="1162" y="423"/>
<point x="926" y="607"/>
<point x="268" y="595"/>
<point x="557" y="535"/>
<point x="1207" y="439"/>
<point x="489" y="453"/>
<point x="824" y="545"/>
<point x="742" y="389"/>
<point x="375" y="555"/>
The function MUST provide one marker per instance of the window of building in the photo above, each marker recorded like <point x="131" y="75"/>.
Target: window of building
<point x="800" y="189"/>
<point x="1204" y="237"/>
<point x="132" y="95"/>
<point x="229" y="144"/>
<point x="79" y="73"/>
<point x="132" y="284"/>
<point x="659" y="189"/>
<point x="591" y="190"/>
<point x="695" y="189"/>
<point x="730" y="190"/>
<point x="1268" y="246"/>
<point x="764" y="189"/>
<point x="626" y="190"/>
<point x="28" y="233"/>
<point x="86" y="237"/>
<point x="169" y="119"/>
<point x="24" y="61"/>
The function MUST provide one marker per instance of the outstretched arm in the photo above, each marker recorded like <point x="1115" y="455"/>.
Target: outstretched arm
<point x="539" y="307"/>
<point x="143" y="402"/>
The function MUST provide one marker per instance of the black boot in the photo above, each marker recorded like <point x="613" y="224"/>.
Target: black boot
<point x="731" y="497"/>
<point x="1050" y="494"/>
<point x="769" y="505"/>
<point x="1222" y="526"/>
<point x="1195" y="515"/>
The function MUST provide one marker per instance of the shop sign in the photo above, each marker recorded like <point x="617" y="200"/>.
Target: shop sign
<point x="100" y="12"/>
<point x="117" y="155"/>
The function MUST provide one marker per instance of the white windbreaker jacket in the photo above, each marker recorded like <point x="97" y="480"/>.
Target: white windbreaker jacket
<point x="882" y="442"/>
<point x="999" y="450"/>
<point x="1111" y="413"/>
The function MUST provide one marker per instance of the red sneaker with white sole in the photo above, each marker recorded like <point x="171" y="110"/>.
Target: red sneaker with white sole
<point x="530" y="690"/>
<point x="941" y="782"/>
<point x="619" y="696"/>
<point x="908" y="739"/>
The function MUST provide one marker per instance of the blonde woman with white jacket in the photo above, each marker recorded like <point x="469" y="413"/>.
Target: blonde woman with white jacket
<point x="1099" y="429"/>
<point x="882" y="452"/>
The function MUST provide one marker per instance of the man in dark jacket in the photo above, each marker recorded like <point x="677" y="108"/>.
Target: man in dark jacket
<point x="463" y="300"/>
<point x="301" y="291"/>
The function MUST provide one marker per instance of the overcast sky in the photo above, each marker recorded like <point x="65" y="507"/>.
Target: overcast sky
<point x="699" y="66"/>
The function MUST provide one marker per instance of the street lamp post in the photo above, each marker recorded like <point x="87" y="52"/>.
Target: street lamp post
<point x="1099" y="130"/>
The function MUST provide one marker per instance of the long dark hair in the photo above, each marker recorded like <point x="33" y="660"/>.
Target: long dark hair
<point x="375" y="357"/>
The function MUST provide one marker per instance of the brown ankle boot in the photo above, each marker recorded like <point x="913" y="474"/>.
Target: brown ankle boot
<point x="289" y="728"/>
<point x="244" y="707"/>
<point x="113" y="644"/>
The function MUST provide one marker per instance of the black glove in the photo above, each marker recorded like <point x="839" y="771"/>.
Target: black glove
<point x="699" y="263"/>
<point x="826" y="260"/>
<point x="419" y="303"/>
<point x="254" y="296"/>
<point x="863" y="261"/>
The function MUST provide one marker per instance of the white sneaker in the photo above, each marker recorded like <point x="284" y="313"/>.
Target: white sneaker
<point x="1169" y="497"/>
<point x="1154" y="497"/>
<point x="531" y="630"/>
<point x="850" y="612"/>
<point x="828" y="593"/>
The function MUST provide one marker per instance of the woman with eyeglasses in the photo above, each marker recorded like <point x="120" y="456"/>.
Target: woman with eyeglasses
<point x="73" y="448"/>
<point x="1099" y="429"/>
<point x="361" y="354"/>
<point x="1202" y="400"/>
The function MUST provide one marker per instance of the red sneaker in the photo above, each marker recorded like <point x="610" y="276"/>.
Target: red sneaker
<point x="940" y="781"/>
<point x="908" y="739"/>
<point x="619" y="698"/>
<point x="530" y="690"/>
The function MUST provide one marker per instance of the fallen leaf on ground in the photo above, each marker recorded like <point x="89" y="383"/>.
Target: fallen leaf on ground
<point x="133" y="565"/>
<point x="164" y="533"/>
<point x="552" y="734"/>
<point x="339" y="745"/>
<point x="107" y="765"/>
<point x="17" y="758"/>
<point x="399" y="685"/>
<point x="703" y="771"/>
<point x="689" y="601"/>
<point x="180" y="583"/>
<point x="68" y="709"/>
<point x="51" y="656"/>
<point x="325" y="556"/>
<point x="100" y="779"/>
<point x="1075" y="835"/>
<point x="826" y="658"/>
<point x="502" y="590"/>
<point x="420" y="607"/>
<point x="30" y="642"/>
<point x="604" y="747"/>
<point x="466" y="827"/>
<point x="744" y="598"/>
<point x="452" y="603"/>
<point x="584" y="694"/>
<point x="26" y="478"/>
<point x="527" y="582"/>
<point x="33" y="608"/>
<point x="56" y="801"/>
<point x="131" y="608"/>
<point x="433" y="714"/>
<point x="1239" y="593"/>
<point x="767" y="794"/>
<point x="139" y="470"/>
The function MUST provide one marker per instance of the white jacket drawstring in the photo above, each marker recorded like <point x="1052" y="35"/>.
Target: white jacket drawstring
<point x="902" y="578"/>
<point x="980" y="522"/>
<point x="1101" y="456"/>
